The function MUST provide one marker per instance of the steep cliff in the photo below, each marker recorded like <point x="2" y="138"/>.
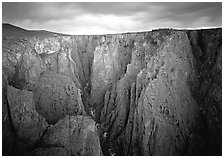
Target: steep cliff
<point x="147" y="93"/>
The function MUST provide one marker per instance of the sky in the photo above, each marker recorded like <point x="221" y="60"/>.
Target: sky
<point x="110" y="17"/>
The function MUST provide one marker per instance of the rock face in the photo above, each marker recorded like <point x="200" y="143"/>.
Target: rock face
<point x="28" y="124"/>
<point x="77" y="134"/>
<point x="166" y="107"/>
<point x="57" y="96"/>
<point x="22" y="65"/>
<point x="107" y="66"/>
<point x="149" y="93"/>
<point x="207" y="51"/>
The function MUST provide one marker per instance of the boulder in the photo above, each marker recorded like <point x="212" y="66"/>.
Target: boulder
<point x="28" y="70"/>
<point x="21" y="64"/>
<point x="57" y="96"/>
<point x="28" y="124"/>
<point x="77" y="134"/>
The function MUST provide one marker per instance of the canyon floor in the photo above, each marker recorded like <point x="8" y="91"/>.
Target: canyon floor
<point x="143" y="93"/>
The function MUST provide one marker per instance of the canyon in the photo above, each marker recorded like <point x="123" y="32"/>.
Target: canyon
<point x="142" y="93"/>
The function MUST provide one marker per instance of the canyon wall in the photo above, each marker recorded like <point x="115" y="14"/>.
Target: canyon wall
<point x="147" y="93"/>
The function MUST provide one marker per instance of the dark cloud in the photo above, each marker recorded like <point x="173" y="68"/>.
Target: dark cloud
<point x="111" y="17"/>
<point x="36" y="11"/>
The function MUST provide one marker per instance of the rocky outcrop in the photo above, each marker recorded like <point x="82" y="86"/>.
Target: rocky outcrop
<point x="57" y="96"/>
<point x="110" y="60"/>
<point x="69" y="136"/>
<point x="166" y="109"/>
<point x="149" y="93"/>
<point x="28" y="124"/>
<point x="207" y="51"/>
<point x="76" y="134"/>
<point x="158" y="112"/>
<point x="21" y="64"/>
<point x="146" y="95"/>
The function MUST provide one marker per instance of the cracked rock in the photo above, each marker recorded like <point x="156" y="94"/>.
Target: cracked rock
<point x="77" y="134"/>
<point x="28" y="124"/>
<point x="57" y="96"/>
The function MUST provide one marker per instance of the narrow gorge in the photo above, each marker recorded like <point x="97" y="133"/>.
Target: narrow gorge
<point x="143" y="93"/>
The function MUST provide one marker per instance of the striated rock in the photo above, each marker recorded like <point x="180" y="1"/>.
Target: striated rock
<point x="66" y="65"/>
<point x="103" y="114"/>
<point x="166" y="108"/>
<point x="106" y="70"/>
<point x="111" y="57"/>
<point x="75" y="57"/>
<point x="77" y="134"/>
<point x="129" y="128"/>
<point x="119" y="110"/>
<point x="57" y="96"/>
<point x="28" y="124"/>
<point x="163" y="106"/>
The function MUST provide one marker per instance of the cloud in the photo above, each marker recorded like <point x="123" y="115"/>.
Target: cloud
<point x="112" y="17"/>
<point x="37" y="11"/>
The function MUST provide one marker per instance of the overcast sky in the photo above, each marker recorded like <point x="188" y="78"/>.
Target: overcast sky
<point x="100" y="18"/>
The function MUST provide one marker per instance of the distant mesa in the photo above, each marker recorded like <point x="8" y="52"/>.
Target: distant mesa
<point x="9" y="30"/>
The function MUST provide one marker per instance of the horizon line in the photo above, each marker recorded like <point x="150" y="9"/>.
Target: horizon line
<point x="127" y="32"/>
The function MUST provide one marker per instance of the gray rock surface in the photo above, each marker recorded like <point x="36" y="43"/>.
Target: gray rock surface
<point x="57" y="96"/>
<point x="149" y="93"/>
<point x="166" y="108"/>
<point x="28" y="124"/>
<point x="77" y="134"/>
<point x="47" y="45"/>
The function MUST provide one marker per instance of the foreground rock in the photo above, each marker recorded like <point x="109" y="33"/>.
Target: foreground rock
<point x="27" y="123"/>
<point x="72" y="135"/>
<point x="57" y="96"/>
